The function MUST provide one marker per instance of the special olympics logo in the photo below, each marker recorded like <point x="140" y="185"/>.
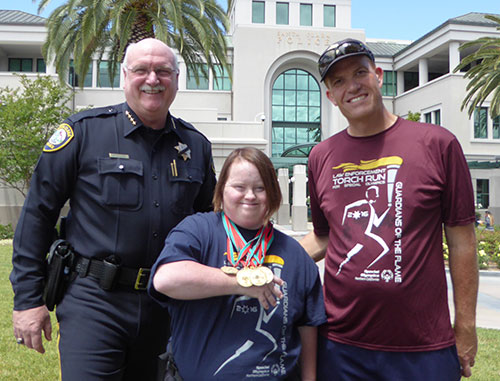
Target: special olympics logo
<point x="387" y="275"/>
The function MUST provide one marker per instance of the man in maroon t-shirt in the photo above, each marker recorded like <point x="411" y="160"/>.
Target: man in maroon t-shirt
<point x="381" y="191"/>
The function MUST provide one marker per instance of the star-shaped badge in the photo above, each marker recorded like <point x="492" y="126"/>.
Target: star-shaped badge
<point x="183" y="151"/>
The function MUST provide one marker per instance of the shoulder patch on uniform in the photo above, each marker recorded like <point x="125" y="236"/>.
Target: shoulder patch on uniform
<point x="60" y="138"/>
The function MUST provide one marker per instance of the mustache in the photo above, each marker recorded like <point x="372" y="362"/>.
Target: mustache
<point x="152" y="88"/>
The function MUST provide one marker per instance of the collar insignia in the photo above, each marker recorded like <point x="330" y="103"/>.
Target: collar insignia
<point x="183" y="151"/>
<point x="130" y="117"/>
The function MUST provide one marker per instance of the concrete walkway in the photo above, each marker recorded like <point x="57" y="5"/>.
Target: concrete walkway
<point x="488" y="302"/>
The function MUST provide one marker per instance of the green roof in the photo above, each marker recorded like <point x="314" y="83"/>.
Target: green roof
<point x="20" y="18"/>
<point x="483" y="164"/>
<point x="385" y="48"/>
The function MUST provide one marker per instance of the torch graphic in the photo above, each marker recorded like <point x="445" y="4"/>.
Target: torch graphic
<point x="392" y="170"/>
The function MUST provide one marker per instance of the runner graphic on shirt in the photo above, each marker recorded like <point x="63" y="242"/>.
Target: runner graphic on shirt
<point x="276" y="265"/>
<point x="372" y="194"/>
<point x="371" y="173"/>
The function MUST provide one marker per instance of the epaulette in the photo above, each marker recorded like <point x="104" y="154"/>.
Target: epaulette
<point x="95" y="112"/>
<point x="189" y="126"/>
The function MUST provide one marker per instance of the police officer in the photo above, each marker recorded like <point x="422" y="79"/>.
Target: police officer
<point x="131" y="172"/>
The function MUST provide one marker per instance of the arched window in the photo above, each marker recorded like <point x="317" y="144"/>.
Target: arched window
<point x="296" y="115"/>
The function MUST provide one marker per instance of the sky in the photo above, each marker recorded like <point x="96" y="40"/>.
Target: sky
<point x="381" y="19"/>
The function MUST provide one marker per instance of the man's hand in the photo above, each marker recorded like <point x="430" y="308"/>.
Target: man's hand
<point x="28" y="326"/>
<point x="268" y="295"/>
<point x="466" y="348"/>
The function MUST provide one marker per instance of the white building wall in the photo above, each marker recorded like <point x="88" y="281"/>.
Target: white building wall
<point x="242" y="12"/>
<point x="261" y="52"/>
<point x="430" y="97"/>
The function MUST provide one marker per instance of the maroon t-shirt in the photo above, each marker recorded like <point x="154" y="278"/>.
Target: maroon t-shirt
<point x="382" y="200"/>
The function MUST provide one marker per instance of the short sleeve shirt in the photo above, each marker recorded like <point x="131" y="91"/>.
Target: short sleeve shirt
<point x="382" y="200"/>
<point x="233" y="337"/>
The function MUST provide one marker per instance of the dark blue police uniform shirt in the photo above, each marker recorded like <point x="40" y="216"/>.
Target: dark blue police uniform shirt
<point x="128" y="186"/>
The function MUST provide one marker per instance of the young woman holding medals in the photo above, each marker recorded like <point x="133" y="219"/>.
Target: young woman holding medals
<point x="244" y="298"/>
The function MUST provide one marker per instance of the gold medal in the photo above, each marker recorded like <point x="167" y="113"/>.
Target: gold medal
<point x="257" y="277"/>
<point x="243" y="277"/>
<point x="268" y="274"/>
<point x="230" y="270"/>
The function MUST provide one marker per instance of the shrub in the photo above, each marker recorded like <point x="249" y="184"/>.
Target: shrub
<point x="446" y="252"/>
<point x="495" y="258"/>
<point x="482" y="259"/>
<point x="6" y="231"/>
<point x="488" y="248"/>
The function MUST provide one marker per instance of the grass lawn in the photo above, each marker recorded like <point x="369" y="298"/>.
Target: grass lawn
<point x="17" y="363"/>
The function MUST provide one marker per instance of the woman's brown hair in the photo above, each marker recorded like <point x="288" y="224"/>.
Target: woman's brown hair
<point x="266" y="172"/>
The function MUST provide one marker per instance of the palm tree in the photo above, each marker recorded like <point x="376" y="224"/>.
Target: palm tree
<point x="81" y="30"/>
<point x="485" y="75"/>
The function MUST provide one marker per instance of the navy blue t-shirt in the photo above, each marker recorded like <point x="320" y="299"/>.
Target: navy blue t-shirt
<point x="233" y="337"/>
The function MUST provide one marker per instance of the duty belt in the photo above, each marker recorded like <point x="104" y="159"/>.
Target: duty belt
<point x="110" y="274"/>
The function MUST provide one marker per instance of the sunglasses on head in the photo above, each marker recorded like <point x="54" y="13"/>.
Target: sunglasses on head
<point x="337" y="51"/>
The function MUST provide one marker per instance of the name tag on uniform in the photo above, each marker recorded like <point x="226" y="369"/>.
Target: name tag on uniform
<point x="118" y="155"/>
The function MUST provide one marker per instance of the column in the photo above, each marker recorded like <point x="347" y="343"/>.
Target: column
<point x="299" y="206"/>
<point x="454" y="55"/>
<point x="400" y="82"/>
<point x="283" y="217"/>
<point x="423" y="71"/>
<point x="494" y="188"/>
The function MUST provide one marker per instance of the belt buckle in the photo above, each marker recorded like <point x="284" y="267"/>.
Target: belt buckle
<point x="141" y="282"/>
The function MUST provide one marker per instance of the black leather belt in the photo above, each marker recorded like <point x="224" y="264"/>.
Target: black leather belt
<point x="110" y="274"/>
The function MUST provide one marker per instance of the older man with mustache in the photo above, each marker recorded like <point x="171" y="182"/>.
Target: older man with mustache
<point x="131" y="172"/>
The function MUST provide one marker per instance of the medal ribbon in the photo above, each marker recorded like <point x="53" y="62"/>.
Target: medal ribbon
<point x="251" y="253"/>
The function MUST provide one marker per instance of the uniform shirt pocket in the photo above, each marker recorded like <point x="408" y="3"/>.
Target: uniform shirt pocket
<point x="122" y="182"/>
<point x="186" y="185"/>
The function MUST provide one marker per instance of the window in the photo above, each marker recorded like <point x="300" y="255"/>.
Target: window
<point x="40" y="65"/>
<point x="389" y="87"/>
<point x="329" y="15"/>
<point x="221" y="80"/>
<point x="437" y="117"/>
<point x="484" y="126"/>
<point x="410" y="80"/>
<point x="496" y="127"/>
<point x="103" y="76"/>
<point x="295" y="110"/>
<point x="306" y="14"/>
<point x="202" y="83"/>
<point x="433" y="117"/>
<point x="258" y="12"/>
<point x="481" y="123"/>
<point x="482" y="193"/>
<point x="73" y="79"/>
<point x="282" y="13"/>
<point x="20" y="64"/>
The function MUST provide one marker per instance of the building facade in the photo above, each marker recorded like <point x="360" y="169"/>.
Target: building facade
<point x="275" y="99"/>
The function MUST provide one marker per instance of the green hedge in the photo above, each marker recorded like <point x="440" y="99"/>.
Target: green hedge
<point x="488" y="248"/>
<point x="6" y="232"/>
